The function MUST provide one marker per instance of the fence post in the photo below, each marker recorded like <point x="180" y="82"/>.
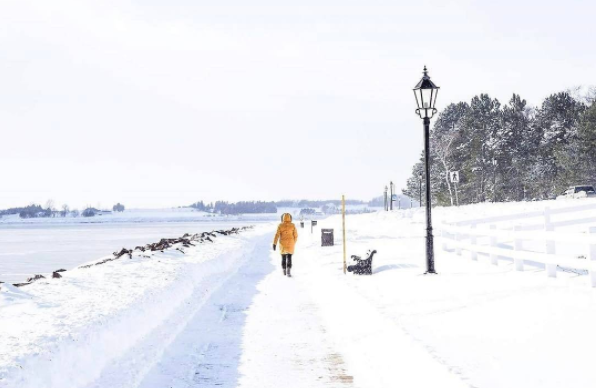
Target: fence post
<point x="592" y="255"/>
<point x="550" y="249"/>
<point x="444" y="234"/>
<point x="517" y="246"/>
<point x="458" y="237"/>
<point x="547" y="214"/>
<point x="494" y="258"/>
<point x="473" y="253"/>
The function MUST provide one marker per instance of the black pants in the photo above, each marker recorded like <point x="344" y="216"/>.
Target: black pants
<point x="286" y="261"/>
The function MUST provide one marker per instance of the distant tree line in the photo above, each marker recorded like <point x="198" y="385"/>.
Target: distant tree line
<point x="37" y="211"/>
<point x="304" y="203"/>
<point x="510" y="152"/>
<point x="307" y="211"/>
<point x="248" y="207"/>
<point x="404" y="201"/>
<point x="202" y="207"/>
<point x="243" y="207"/>
<point x="31" y="211"/>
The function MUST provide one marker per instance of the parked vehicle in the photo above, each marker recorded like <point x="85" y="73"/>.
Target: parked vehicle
<point x="577" y="192"/>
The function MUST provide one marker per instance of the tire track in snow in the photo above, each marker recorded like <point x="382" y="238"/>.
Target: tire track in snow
<point x="207" y="351"/>
<point x="132" y="368"/>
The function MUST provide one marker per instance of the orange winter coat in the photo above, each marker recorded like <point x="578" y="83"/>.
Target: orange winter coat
<point x="287" y="235"/>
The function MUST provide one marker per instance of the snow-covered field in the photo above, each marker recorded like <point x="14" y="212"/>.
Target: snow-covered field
<point x="223" y="315"/>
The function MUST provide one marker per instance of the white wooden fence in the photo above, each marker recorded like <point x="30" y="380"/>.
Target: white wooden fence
<point x="467" y="236"/>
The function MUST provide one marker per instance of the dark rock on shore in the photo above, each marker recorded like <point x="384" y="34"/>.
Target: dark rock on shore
<point x="35" y="278"/>
<point x="187" y="240"/>
<point x="123" y="252"/>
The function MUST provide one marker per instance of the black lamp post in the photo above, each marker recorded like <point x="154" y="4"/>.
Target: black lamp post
<point x="426" y="96"/>
<point x="420" y="190"/>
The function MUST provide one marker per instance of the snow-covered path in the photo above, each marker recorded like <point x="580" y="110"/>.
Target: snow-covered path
<point x="261" y="329"/>
<point x="257" y="330"/>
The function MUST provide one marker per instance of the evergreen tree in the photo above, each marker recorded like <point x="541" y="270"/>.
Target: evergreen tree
<point x="557" y="120"/>
<point x="518" y="154"/>
<point x="510" y="152"/>
<point x="587" y="143"/>
<point x="480" y="131"/>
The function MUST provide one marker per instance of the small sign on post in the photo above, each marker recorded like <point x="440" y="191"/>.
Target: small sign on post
<point x="313" y="223"/>
<point x="454" y="178"/>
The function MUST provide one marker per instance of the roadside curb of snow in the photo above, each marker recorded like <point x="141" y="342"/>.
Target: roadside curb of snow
<point x="79" y="359"/>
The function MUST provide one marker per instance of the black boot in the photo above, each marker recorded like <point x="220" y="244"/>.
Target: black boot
<point x="289" y="274"/>
<point x="284" y="272"/>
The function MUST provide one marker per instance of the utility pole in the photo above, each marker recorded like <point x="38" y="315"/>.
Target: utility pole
<point x="391" y="196"/>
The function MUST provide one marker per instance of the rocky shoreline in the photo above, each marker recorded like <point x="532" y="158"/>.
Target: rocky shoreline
<point x="186" y="241"/>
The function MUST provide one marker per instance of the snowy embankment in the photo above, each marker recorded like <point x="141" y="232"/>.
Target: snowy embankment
<point x="64" y="332"/>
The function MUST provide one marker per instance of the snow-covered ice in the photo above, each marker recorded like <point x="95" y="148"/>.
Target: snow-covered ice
<point x="41" y="245"/>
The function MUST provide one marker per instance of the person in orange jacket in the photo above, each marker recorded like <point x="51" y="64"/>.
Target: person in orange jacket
<point x="287" y="235"/>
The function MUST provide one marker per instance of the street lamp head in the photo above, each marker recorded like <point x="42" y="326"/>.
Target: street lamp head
<point x="426" y="96"/>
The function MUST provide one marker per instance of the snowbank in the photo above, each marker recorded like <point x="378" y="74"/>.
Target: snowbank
<point x="63" y="332"/>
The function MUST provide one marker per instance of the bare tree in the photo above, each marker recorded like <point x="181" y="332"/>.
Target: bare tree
<point x="50" y="205"/>
<point x="65" y="210"/>
<point x="442" y="150"/>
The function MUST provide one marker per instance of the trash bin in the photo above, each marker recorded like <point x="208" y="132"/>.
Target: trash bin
<point x="327" y="237"/>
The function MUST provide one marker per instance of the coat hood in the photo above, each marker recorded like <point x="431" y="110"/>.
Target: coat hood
<point x="286" y="217"/>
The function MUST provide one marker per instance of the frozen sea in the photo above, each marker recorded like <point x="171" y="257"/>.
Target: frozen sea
<point x="35" y="246"/>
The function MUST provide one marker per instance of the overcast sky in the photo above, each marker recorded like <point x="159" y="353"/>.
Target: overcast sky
<point x="163" y="103"/>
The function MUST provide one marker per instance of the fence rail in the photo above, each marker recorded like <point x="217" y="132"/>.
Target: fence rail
<point x="465" y="236"/>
